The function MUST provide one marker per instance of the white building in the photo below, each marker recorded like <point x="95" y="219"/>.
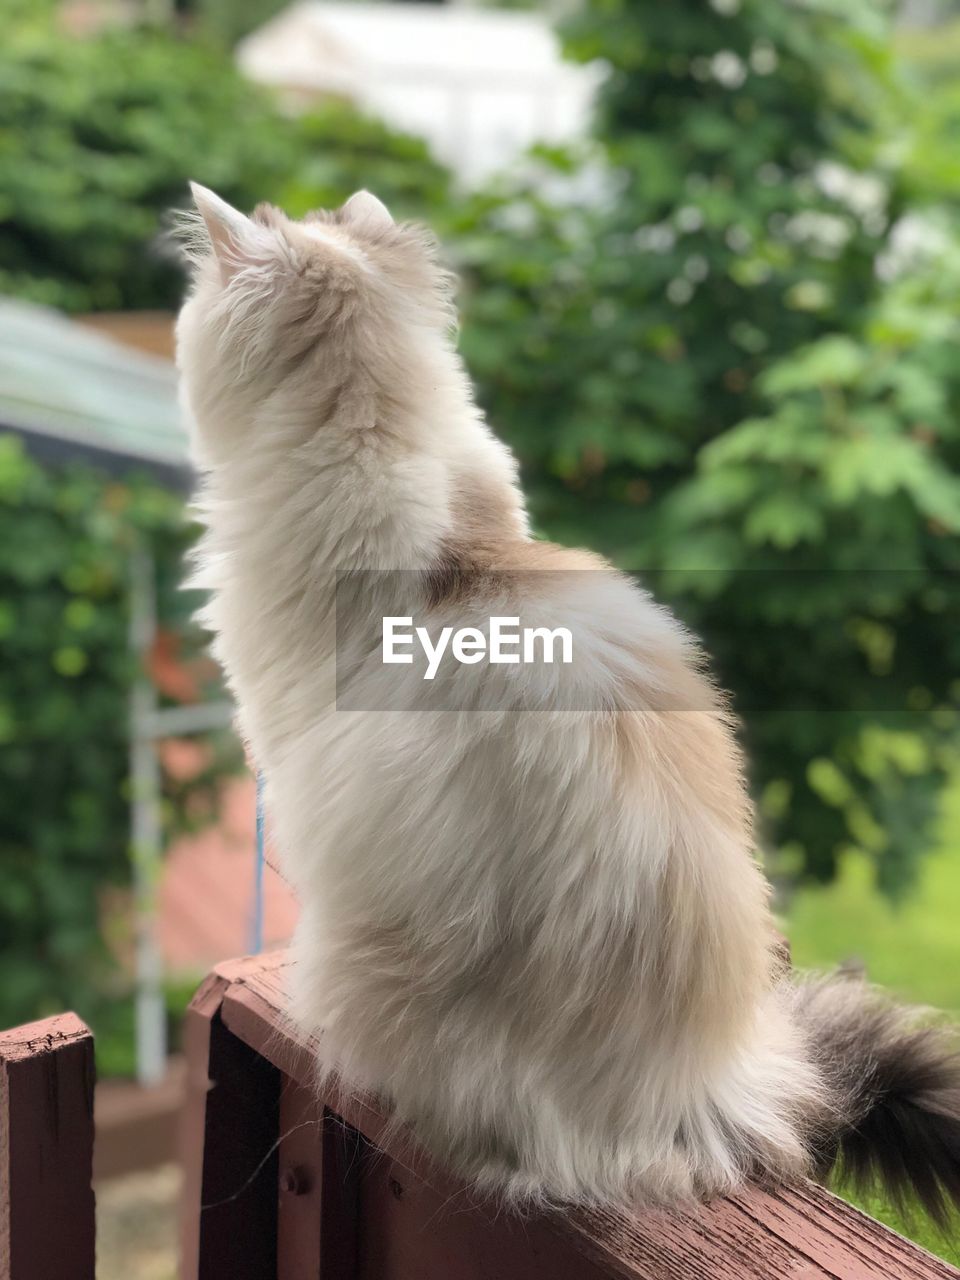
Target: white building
<point x="480" y="85"/>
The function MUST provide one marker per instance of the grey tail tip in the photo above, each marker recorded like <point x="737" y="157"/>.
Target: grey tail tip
<point x="895" y="1082"/>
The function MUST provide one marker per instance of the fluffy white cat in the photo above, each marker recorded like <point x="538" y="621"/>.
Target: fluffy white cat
<point x="531" y="914"/>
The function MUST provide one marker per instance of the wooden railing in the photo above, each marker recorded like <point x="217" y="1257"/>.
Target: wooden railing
<point x="46" y="1151"/>
<point x="288" y="1183"/>
<point x="285" y="1181"/>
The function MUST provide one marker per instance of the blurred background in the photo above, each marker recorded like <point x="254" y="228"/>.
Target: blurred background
<point x="710" y="265"/>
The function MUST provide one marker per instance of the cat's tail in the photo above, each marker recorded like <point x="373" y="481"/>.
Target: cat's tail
<point x="894" y="1086"/>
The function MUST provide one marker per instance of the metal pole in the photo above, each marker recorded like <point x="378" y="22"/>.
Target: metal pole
<point x="256" y="925"/>
<point x="146" y="828"/>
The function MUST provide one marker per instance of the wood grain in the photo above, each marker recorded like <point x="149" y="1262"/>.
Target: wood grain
<point x="46" y="1151"/>
<point x="417" y="1223"/>
<point x="231" y="1119"/>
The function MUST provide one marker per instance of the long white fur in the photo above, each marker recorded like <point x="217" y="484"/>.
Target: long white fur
<point x="540" y="934"/>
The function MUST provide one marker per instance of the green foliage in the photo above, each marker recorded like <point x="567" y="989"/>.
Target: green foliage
<point x="719" y="374"/>
<point x="99" y="137"/>
<point x="930" y="60"/>
<point x="231" y="20"/>
<point x="65" y="672"/>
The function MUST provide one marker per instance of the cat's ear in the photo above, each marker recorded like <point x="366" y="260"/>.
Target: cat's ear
<point x="236" y="240"/>
<point x="364" y="210"/>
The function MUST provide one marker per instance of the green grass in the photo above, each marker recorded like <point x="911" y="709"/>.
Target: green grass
<point x="912" y="948"/>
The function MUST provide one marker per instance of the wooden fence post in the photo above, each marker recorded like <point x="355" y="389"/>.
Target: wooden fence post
<point x="47" y="1229"/>
<point x="321" y="1160"/>
<point x="231" y="1118"/>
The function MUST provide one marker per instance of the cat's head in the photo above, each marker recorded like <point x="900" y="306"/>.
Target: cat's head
<point x="277" y="305"/>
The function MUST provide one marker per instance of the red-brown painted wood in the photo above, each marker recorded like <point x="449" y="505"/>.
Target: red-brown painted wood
<point x="413" y="1230"/>
<point x="301" y="1183"/>
<point x="411" y="1221"/>
<point x="193" y="1116"/>
<point x="321" y="1161"/>
<point x="46" y="1151"/>
<point x="229" y="1229"/>
<point x="346" y="1156"/>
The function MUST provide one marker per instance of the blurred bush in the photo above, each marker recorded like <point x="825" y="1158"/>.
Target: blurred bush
<point x="99" y="137"/>
<point x="733" y="369"/>
<point x="66" y="536"/>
